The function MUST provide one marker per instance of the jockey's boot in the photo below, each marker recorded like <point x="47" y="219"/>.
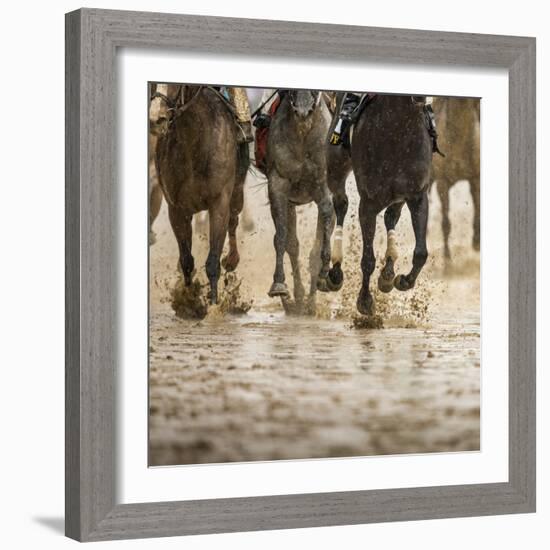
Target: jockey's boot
<point x="345" y="118"/>
<point x="239" y="100"/>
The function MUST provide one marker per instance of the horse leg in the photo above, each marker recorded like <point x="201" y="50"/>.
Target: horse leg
<point x="181" y="225"/>
<point x="340" y="204"/>
<point x="387" y="275"/>
<point x="155" y="191"/>
<point x="293" y="251"/>
<point x="419" y="216"/>
<point x="326" y="216"/>
<point x="315" y="264"/>
<point x="367" y="218"/>
<point x="474" y="189"/>
<point x="278" y="201"/>
<point x="443" y="192"/>
<point x="231" y="261"/>
<point x="338" y="169"/>
<point x="155" y="202"/>
<point x="219" y="218"/>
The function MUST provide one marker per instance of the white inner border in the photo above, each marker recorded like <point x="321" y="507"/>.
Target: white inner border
<point x="136" y="482"/>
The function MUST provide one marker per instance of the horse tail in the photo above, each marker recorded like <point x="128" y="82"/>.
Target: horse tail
<point x="243" y="161"/>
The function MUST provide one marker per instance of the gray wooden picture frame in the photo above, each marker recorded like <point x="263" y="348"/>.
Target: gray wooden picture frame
<point x="92" y="39"/>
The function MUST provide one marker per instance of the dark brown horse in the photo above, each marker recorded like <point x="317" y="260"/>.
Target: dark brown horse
<point x="391" y="154"/>
<point x="458" y="127"/>
<point x="202" y="167"/>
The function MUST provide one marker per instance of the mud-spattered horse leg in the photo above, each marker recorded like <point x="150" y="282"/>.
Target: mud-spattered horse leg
<point x="181" y="225"/>
<point x="340" y="203"/>
<point x="474" y="189"/>
<point x="443" y="186"/>
<point x="232" y="259"/>
<point x="293" y="251"/>
<point x="387" y="275"/>
<point x="315" y="265"/>
<point x="338" y="169"/>
<point x="279" y="212"/>
<point x="367" y="218"/>
<point x="419" y="216"/>
<point x="219" y="219"/>
<point x="326" y="220"/>
<point x="155" y="202"/>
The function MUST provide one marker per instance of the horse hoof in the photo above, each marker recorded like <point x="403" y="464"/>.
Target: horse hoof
<point x="335" y="279"/>
<point x="385" y="284"/>
<point x="230" y="263"/>
<point x="365" y="305"/>
<point x="401" y="283"/>
<point x="322" y="284"/>
<point x="278" y="289"/>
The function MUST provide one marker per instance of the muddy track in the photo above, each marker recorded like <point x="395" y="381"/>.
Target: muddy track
<point x="265" y="386"/>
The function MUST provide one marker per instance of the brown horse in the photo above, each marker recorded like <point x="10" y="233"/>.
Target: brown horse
<point x="161" y="99"/>
<point x="458" y="128"/>
<point x="202" y="167"/>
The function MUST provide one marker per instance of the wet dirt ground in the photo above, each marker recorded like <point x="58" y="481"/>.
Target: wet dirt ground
<point x="266" y="386"/>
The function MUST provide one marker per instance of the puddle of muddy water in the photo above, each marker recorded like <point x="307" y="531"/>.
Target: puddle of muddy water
<point x="266" y="386"/>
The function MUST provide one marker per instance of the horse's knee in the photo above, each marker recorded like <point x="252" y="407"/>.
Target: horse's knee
<point x="340" y="204"/>
<point x="326" y="208"/>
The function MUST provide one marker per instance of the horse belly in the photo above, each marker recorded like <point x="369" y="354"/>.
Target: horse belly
<point x="299" y="193"/>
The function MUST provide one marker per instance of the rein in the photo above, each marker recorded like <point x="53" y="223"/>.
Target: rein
<point x="255" y="113"/>
<point x="176" y="106"/>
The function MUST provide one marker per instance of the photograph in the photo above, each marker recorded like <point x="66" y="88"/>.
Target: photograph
<point x="314" y="274"/>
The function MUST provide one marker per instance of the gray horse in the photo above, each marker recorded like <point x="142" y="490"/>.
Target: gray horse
<point x="297" y="175"/>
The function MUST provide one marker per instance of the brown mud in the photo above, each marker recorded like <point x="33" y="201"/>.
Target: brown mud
<point x="243" y="381"/>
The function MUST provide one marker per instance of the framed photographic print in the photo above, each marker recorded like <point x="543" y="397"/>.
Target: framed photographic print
<point x="300" y="275"/>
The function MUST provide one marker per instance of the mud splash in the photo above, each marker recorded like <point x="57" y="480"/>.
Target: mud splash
<point x="191" y="302"/>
